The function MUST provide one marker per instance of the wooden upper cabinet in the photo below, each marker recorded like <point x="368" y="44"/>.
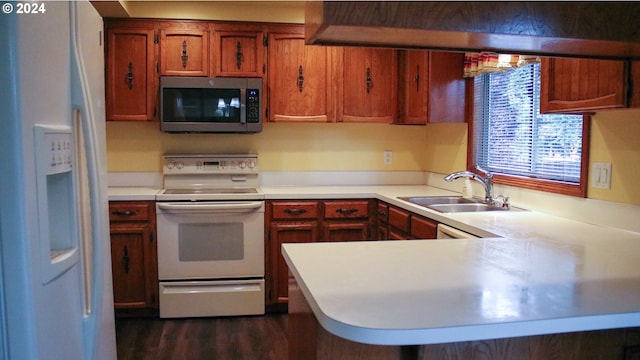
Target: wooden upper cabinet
<point x="413" y="89"/>
<point x="576" y="85"/>
<point x="431" y="87"/>
<point x="634" y="101"/>
<point x="447" y="88"/>
<point x="130" y="72"/>
<point x="184" y="49"/>
<point x="299" y="78"/>
<point x="238" y="50"/>
<point x="369" y="85"/>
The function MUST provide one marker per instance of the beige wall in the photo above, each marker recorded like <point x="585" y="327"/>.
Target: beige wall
<point x="615" y="138"/>
<point x="139" y="147"/>
<point x="441" y="148"/>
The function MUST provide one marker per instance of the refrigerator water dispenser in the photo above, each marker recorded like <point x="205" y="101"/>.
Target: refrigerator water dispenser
<point x="55" y="158"/>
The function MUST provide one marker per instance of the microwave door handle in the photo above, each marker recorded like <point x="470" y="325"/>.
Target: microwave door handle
<point x="243" y="106"/>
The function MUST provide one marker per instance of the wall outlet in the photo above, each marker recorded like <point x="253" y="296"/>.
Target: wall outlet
<point x="601" y="176"/>
<point x="388" y="157"/>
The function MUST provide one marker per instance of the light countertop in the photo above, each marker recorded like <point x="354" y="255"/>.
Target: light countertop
<point x="441" y="291"/>
<point x="532" y="274"/>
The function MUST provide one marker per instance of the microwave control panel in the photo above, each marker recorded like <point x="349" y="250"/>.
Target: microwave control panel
<point x="253" y="105"/>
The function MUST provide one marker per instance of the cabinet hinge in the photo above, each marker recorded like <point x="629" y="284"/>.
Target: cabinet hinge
<point x="155" y="38"/>
<point x="265" y="40"/>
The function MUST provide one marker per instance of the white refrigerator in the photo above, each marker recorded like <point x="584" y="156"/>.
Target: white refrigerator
<point x="56" y="297"/>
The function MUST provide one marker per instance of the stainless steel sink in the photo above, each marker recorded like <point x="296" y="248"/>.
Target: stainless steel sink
<point x="451" y="208"/>
<point x="438" y="200"/>
<point x="452" y="204"/>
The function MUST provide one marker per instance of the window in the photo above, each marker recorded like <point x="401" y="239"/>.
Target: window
<point x="518" y="144"/>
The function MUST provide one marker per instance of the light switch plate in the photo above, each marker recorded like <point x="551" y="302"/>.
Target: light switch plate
<point x="601" y="176"/>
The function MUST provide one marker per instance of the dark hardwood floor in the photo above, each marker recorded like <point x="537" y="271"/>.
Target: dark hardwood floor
<point x="225" y="338"/>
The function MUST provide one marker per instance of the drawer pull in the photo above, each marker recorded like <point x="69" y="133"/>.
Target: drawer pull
<point x="125" y="213"/>
<point x="346" y="211"/>
<point x="295" y="211"/>
<point x="382" y="213"/>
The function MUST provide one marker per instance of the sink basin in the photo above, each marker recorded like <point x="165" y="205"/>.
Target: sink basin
<point x="451" y="208"/>
<point x="453" y="204"/>
<point x="438" y="200"/>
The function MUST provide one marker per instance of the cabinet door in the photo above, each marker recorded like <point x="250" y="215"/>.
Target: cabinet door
<point x="184" y="50"/>
<point x="413" y="95"/>
<point x="575" y="85"/>
<point x="239" y="51"/>
<point x="131" y="263"/>
<point x="130" y="78"/>
<point x="447" y="88"/>
<point x="298" y="80"/>
<point x="369" y="85"/>
<point x="278" y="274"/>
<point x="345" y="231"/>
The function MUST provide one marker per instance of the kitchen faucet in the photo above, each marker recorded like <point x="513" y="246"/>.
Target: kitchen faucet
<point x="486" y="181"/>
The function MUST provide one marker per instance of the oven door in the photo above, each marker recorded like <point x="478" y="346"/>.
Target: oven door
<point x="210" y="240"/>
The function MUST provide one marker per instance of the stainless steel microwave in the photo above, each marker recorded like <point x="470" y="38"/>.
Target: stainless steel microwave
<point x="210" y="105"/>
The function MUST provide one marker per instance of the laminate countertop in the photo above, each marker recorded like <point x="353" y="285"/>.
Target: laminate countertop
<point x="530" y="274"/>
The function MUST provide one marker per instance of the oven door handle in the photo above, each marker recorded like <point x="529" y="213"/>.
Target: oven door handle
<point x="211" y="207"/>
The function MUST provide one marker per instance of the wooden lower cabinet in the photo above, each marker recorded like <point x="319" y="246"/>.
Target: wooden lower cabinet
<point x="278" y="275"/>
<point x="133" y="254"/>
<point x="398" y="224"/>
<point x="307" y="221"/>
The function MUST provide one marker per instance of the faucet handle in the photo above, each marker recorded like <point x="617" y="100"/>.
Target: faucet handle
<point x="505" y="200"/>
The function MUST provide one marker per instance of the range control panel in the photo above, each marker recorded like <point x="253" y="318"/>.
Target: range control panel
<point x="210" y="164"/>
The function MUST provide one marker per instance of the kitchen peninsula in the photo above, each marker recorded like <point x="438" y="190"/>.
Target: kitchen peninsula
<point x="414" y="299"/>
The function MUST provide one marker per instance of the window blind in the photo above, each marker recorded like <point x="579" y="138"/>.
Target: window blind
<point x="512" y="137"/>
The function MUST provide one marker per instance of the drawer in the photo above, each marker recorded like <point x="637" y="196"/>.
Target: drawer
<point x="346" y="209"/>
<point x="399" y="219"/>
<point x="383" y="213"/>
<point x="422" y="228"/>
<point x="129" y="211"/>
<point x="295" y="210"/>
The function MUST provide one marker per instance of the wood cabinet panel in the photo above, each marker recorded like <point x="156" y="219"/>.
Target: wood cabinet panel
<point x="634" y="102"/>
<point x="130" y="75"/>
<point x="399" y="219"/>
<point x="423" y="228"/>
<point x="239" y="50"/>
<point x="346" y="209"/>
<point x="130" y="266"/>
<point x="576" y="85"/>
<point x="129" y="211"/>
<point x="134" y="259"/>
<point x="299" y="78"/>
<point x="184" y="50"/>
<point x="278" y="274"/>
<point x="369" y="85"/>
<point x="447" y="87"/>
<point x="413" y="66"/>
<point x="291" y="210"/>
<point x="346" y="231"/>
